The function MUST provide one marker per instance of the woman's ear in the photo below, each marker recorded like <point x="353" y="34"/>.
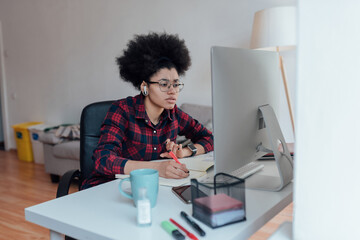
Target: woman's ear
<point x="144" y="89"/>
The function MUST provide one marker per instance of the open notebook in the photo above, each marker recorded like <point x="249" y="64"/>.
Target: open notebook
<point x="197" y="166"/>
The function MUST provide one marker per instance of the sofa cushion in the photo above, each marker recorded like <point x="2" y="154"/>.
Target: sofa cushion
<point x="200" y="112"/>
<point x="68" y="150"/>
<point x="49" y="137"/>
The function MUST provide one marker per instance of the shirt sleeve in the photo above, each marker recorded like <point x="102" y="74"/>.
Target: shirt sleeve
<point x="107" y="155"/>
<point x="192" y="129"/>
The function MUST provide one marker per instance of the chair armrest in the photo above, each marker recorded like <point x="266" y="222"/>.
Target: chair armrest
<point x="65" y="181"/>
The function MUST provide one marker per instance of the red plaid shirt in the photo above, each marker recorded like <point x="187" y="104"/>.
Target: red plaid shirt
<point x="128" y="134"/>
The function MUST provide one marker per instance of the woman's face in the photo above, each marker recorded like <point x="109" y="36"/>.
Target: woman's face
<point x="167" y="97"/>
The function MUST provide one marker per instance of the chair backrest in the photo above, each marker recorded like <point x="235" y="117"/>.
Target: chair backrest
<point x="92" y="117"/>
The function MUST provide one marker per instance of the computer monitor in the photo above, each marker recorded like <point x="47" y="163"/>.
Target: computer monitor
<point x="242" y="81"/>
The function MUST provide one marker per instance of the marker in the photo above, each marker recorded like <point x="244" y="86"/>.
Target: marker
<point x="174" y="157"/>
<point x="172" y="154"/>
<point x="192" y="223"/>
<point x="171" y="229"/>
<point x="189" y="234"/>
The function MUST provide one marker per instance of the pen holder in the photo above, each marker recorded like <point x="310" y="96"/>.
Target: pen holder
<point x="219" y="203"/>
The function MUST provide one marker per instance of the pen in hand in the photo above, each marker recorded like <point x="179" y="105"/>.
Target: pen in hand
<point x="192" y="223"/>
<point x="172" y="154"/>
<point x="175" y="158"/>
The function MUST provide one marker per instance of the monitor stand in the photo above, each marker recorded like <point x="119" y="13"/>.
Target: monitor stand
<point x="284" y="162"/>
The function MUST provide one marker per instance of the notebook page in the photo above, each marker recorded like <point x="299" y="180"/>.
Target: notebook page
<point x="199" y="163"/>
<point x="172" y="182"/>
<point x="197" y="166"/>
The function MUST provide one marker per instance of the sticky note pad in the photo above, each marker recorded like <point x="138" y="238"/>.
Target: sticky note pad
<point x="218" y="202"/>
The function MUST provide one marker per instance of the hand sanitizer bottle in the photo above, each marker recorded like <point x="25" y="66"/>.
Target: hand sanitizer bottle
<point x="143" y="209"/>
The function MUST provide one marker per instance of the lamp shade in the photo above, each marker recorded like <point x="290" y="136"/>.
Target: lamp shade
<point x="274" y="27"/>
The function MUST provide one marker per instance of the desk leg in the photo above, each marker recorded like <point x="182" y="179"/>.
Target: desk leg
<point x="56" y="236"/>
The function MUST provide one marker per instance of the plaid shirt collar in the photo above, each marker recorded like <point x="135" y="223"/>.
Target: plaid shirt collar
<point x="141" y="113"/>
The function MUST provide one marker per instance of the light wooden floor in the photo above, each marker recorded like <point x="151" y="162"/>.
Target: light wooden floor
<point x="25" y="184"/>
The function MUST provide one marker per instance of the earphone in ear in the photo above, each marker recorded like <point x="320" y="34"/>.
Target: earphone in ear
<point x="145" y="92"/>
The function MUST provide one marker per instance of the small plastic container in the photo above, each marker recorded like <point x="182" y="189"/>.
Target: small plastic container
<point x="37" y="145"/>
<point x="23" y="142"/>
<point x="143" y="209"/>
<point x="219" y="203"/>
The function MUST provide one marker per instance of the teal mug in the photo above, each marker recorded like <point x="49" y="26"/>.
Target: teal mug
<point x="142" y="178"/>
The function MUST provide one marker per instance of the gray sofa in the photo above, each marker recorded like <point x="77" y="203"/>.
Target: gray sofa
<point x="62" y="155"/>
<point x="60" y="158"/>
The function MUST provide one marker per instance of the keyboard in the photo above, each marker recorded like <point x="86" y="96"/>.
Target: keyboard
<point x="247" y="170"/>
<point x="243" y="172"/>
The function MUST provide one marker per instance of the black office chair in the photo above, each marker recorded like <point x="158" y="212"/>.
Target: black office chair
<point x="92" y="117"/>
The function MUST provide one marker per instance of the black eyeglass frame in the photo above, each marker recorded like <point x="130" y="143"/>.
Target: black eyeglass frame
<point x="179" y="87"/>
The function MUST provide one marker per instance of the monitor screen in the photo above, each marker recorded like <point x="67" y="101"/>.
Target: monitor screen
<point x="242" y="80"/>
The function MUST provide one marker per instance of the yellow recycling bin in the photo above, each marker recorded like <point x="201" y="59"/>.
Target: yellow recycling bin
<point x="23" y="142"/>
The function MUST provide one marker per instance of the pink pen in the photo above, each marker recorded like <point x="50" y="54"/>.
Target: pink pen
<point x="174" y="157"/>
<point x="172" y="154"/>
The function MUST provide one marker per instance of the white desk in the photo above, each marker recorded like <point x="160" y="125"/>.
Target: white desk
<point x="102" y="213"/>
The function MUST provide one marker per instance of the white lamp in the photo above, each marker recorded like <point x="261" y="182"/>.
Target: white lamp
<point x="274" y="29"/>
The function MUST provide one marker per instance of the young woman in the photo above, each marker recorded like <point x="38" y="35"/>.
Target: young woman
<point x="139" y="129"/>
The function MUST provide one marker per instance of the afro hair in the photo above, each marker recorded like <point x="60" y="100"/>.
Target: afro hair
<point x="147" y="54"/>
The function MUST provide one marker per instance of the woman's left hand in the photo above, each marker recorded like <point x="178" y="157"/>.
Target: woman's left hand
<point x="175" y="148"/>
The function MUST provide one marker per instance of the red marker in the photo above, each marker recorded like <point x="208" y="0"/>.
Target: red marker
<point x="189" y="234"/>
<point x="172" y="154"/>
<point x="174" y="157"/>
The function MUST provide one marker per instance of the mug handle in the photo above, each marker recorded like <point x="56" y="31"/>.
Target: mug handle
<point x="120" y="188"/>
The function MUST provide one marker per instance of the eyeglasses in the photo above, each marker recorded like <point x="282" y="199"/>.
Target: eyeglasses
<point x="165" y="84"/>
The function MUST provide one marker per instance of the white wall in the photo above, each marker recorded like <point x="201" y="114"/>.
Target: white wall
<point x="60" y="55"/>
<point x="327" y="192"/>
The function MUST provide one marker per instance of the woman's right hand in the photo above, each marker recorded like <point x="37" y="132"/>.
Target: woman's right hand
<point x="172" y="169"/>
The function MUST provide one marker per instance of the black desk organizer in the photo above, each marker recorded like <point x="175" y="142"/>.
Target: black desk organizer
<point x="219" y="203"/>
